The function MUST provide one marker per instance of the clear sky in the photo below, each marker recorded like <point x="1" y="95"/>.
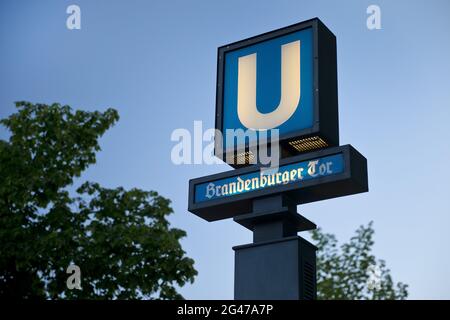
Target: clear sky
<point x="155" y="62"/>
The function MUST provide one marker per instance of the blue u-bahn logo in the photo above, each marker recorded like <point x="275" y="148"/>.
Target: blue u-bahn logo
<point x="269" y="85"/>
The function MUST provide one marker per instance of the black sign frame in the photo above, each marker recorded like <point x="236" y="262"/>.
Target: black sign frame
<point x="325" y="95"/>
<point x="352" y="180"/>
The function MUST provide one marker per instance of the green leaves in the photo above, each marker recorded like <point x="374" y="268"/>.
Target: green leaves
<point x="48" y="147"/>
<point x="128" y="240"/>
<point x="120" y="239"/>
<point x="352" y="271"/>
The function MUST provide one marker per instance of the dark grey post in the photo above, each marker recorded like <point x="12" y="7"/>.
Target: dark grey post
<point x="278" y="264"/>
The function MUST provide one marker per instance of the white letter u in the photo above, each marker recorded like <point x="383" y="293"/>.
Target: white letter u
<point x="290" y="90"/>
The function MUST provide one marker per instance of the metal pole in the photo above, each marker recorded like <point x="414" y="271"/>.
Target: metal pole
<point x="278" y="264"/>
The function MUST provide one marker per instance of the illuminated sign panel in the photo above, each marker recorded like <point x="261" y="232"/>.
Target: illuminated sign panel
<point x="286" y="80"/>
<point x="319" y="175"/>
<point x="261" y="94"/>
<point x="291" y="173"/>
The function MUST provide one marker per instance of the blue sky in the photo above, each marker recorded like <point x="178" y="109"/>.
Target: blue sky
<point x="155" y="62"/>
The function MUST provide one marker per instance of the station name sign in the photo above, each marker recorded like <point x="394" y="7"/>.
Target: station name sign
<point x="320" y="175"/>
<point x="291" y="173"/>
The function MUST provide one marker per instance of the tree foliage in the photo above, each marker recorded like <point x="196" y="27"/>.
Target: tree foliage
<point x="351" y="271"/>
<point x="120" y="239"/>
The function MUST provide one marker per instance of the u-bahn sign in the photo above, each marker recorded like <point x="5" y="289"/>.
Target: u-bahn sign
<point x="286" y="80"/>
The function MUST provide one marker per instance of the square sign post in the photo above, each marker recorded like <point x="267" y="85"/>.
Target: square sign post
<point x="284" y="79"/>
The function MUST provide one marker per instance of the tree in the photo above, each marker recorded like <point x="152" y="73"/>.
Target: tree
<point x="120" y="239"/>
<point x="352" y="271"/>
